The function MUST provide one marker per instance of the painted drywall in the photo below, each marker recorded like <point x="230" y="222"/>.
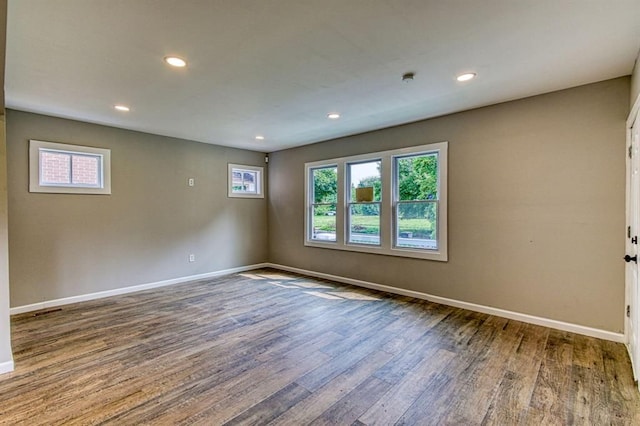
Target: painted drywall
<point x="536" y="207"/>
<point x="635" y="81"/>
<point x="6" y="357"/>
<point x="65" y="245"/>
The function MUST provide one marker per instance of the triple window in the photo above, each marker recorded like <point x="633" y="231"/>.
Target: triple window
<point x="391" y="202"/>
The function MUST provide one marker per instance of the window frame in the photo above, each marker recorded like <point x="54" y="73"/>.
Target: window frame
<point x="104" y="169"/>
<point x="259" y="184"/>
<point x="313" y="204"/>
<point x="349" y="202"/>
<point x="388" y="191"/>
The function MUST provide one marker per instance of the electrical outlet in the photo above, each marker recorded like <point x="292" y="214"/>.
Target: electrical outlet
<point x="191" y="182"/>
<point x="192" y="258"/>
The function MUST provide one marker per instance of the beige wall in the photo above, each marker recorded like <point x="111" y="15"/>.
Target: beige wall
<point x="64" y="245"/>
<point x="536" y="206"/>
<point x="635" y="81"/>
<point x="6" y="358"/>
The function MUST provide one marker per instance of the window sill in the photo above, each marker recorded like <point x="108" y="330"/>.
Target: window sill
<point x="437" y="255"/>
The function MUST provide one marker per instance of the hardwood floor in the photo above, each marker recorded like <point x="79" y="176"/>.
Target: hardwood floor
<point x="267" y="347"/>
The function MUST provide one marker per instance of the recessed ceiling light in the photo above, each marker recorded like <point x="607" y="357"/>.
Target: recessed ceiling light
<point x="259" y="138"/>
<point x="174" y="61"/>
<point x="466" y="77"/>
<point x="333" y="116"/>
<point x="121" y="108"/>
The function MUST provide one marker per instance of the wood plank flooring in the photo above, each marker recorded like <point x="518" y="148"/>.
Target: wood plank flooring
<point x="268" y="347"/>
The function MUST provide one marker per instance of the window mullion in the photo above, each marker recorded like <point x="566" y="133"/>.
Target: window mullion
<point x="71" y="169"/>
<point x="386" y="206"/>
<point x="341" y="205"/>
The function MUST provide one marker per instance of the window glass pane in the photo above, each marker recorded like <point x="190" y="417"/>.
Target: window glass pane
<point x="417" y="226"/>
<point x="325" y="185"/>
<point x="365" y="181"/>
<point x="55" y="168"/>
<point x="85" y="170"/>
<point x="364" y="223"/>
<point x="323" y="222"/>
<point x="417" y="177"/>
<point x="236" y="180"/>
<point x="249" y="180"/>
<point x="244" y="181"/>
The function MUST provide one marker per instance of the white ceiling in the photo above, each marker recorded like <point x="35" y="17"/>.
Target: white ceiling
<point x="277" y="67"/>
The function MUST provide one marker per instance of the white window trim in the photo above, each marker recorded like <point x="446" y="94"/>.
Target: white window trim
<point x="259" y="183"/>
<point x="34" y="168"/>
<point x="386" y="212"/>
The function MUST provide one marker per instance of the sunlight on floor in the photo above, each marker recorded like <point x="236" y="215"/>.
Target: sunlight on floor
<point x="310" y="284"/>
<point x="291" y="283"/>
<point x="282" y="285"/>
<point x="324" y="295"/>
<point x="252" y="276"/>
<point x="352" y="295"/>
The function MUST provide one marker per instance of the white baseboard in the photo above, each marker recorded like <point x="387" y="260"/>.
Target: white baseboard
<point x="6" y="367"/>
<point x="118" y="291"/>
<point x="531" y="319"/>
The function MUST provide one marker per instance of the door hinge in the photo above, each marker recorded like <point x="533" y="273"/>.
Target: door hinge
<point x="628" y="311"/>
<point x="630" y="151"/>
<point x="628" y="232"/>
<point x="634" y="240"/>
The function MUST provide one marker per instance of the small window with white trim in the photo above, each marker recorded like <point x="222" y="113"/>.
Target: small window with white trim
<point x="245" y="181"/>
<point x="68" y="169"/>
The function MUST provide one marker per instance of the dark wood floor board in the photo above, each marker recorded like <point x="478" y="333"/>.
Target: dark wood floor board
<point x="319" y="401"/>
<point x="247" y="394"/>
<point x="587" y="353"/>
<point x="553" y="396"/>
<point x="272" y="347"/>
<point x="314" y="340"/>
<point x="403" y="393"/>
<point x="245" y="369"/>
<point x="348" y="408"/>
<point x="590" y="405"/>
<point x="405" y="361"/>
<point x="415" y="325"/>
<point x="619" y="385"/>
<point x="272" y="407"/>
<point x="351" y="351"/>
<point x="230" y="392"/>
<point x="457" y="329"/>
<point x="483" y="379"/>
<point x="463" y="376"/>
<point x="511" y="401"/>
<point x="117" y="388"/>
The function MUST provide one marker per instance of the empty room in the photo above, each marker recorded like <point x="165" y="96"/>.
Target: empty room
<point x="292" y="212"/>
